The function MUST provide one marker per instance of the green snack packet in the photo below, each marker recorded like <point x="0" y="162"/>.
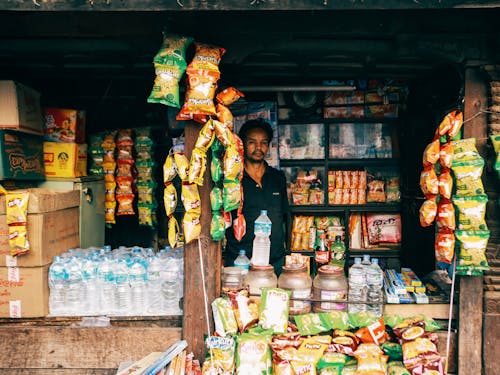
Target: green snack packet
<point x="173" y="50"/>
<point x="349" y="370"/>
<point x="392" y="320"/>
<point x="310" y="324"/>
<point x="464" y="149"/>
<point x="393" y="350"/>
<point x="219" y="357"/>
<point x="397" y="368"/>
<point x="430" y="324"/>
<point x="468" y="177"/>
<point x="273" y="311"/>
<point x="216" y="169"/>
<point x="472" y="252"/>
<point x="471" y="212"/>
<point x="331" y="363"/>
<point x="224" y="319"/>
<point x="166" y="85"/>
<point x="231" y="195"/>
<point x="217" y="226"/>
<point x="253" y="354"/>
<point x="336" y="320"/>
<point x="361" y="319"/>
<point x="216" y="199"/>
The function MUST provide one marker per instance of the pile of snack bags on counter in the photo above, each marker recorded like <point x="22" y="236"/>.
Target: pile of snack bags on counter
<point x="456" y="204"/>
<point x="256" y="337"/>
<point x="216" y="134"/>
<point x="305" y="231"/>
<point x="126" y="160"/>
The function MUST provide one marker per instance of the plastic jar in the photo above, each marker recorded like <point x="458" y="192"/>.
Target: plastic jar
<point x="232" y="278"/>
<point x="260" y="277"/>
<point x="330" y="284"/>
<point x="297" y="280"/>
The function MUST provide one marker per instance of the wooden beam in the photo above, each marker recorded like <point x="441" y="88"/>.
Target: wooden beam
<point x="194" y="323"/>
<point x="224" y="5"/>
<point x="471" y="288"/>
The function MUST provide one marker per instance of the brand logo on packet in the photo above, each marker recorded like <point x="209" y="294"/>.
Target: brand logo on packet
<point x="26" y="164"/>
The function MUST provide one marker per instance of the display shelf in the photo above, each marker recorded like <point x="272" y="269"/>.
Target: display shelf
<point x="373" y="207"/>
<point x="358" y="163"/>
<point x="339" y="120"/>
<point x="322" y="208"/>
<point x="379" y="253"/>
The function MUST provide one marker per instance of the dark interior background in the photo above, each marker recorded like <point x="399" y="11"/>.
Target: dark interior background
<point x="102" y="62"/>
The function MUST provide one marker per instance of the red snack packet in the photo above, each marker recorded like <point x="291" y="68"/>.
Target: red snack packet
<point x="229" y="96"/>
<point x="446" y="214"/>
<point x="444" y="246"/>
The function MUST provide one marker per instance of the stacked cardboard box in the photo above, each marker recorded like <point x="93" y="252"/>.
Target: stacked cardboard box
<point x="52" y="225"/>
<point x="64" y="148"/>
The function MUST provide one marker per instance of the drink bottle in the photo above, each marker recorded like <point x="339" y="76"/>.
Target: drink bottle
<point x="243" y="262"/>
<point x="261" y="243"/>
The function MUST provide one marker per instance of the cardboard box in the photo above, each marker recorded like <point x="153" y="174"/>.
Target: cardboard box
<point x="64" y="125"/>
<point x="45" y="200"/>
<point x="24" y="292"/>
<point x="21" y="156"/>
<point x="65" y="159"/>
<point x="49" y="234"/>
<point x="20" y="108"/>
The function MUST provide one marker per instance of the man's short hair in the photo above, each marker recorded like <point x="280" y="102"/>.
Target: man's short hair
<point x="258" y="123"/>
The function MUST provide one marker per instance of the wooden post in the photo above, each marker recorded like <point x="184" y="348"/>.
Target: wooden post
<point x="194" y="322"/>
<point x="470" y="317"/>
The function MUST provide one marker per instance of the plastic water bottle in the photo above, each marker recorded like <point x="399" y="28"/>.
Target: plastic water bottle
<point x="106" y="283"/>
<point x="171" y="284"/>
<point x="357" y="287"/>
<point x="366" y="261"/>
<point x="91" y="302"/>
<point x="74" y="286"/>
<point x="375" y="282"/>
<point x="138" y="277"/>
<point x="122" y="288"/>
<point x="243" y="262"/>
<point x="155" y="303"/>
<point x="57" y="280"/>
<point x="262" y="243"/>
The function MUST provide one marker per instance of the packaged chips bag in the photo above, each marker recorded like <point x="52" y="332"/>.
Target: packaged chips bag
<point x="229" y="96"/>
<point x="197" y="166"/>
<point x="446" y="155"/>
<point x="170" y="199"/>
<point x="428" y="211"/>
<point x="431" y="153"/>
<point x="253" y="355"/>
<point x="206" y="136"/>
<point x="231" y="195"/>
<point x="220" y="356"/>
<point x="224" y="319"/>
<point x="173" y="49"/>
<point x="445" y="183"/>
<point x="471" y="212"/>
<point x="199" y="95"/>
<point x="191" y="226"/>
<point x="451" y="124"/>
<point x="225" y="116"/>
<point x="445" y="217"/>
<point x="371" y="360"/>
<point x="444" y="246"/>
<point x="217" y="226"/>
<point x="17" y="217"/>
<point x="274" y="307"/>
<point x="173" y="232"/>
<point x="468" y="177"/>
<point x="465" y="149"/>
<point x="206" y="58"/>
<point x="190" y="197"/>
<point x="471" y="260"/>
<point x="429" y="183"/>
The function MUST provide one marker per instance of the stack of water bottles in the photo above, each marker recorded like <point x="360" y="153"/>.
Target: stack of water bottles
<point x="127" y="281"/>
<point x="366" y="286"/>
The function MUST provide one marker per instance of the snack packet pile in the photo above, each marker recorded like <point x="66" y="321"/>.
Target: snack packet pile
<point x="125" y="173"/>
<point x="146" y="185"/>
<point x="109" y="167"/>
<point x="96" y="153"/>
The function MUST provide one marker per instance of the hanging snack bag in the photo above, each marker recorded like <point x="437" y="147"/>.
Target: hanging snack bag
<point x="216" y="200"/>
<point x="190" y="197"/>
<point x="253" y="354"/>
<point x="109" y="212"/>
<point x="217" y="226"/>
<point x="273" y="312"/>
<point x="472" y="252"/>
<point x="233" y="163"/>
<point x="96" y="154"/>
<point x="471" y="212"/>
<point x="468" y="177"/>
<point x="444" y="246"/>
<point x="231" y="195"/>
<point x="182" y="165"/>
<point x="465" y="149"/>
<point x="223" y="133"/>
<point x="17" y="217"/>
<point x="145" y="213"/>
<point x="191" y="226"/>
<point x="206" y="136"/>
<point x="219" y="357"/>
<point x="446" y="214"/>
<point x="229" y="96"/>
<point x="431" y="153"/>
<point x="429" y="183"/>
<point x="173" y="48"/>
<point x="445" y="183"/>
<point x="428" y="212"/>
<point x="169" y="169"/>
<point x="170" y="199"/>
<point x="173" y="232"/>
<point x="207" y="58"/>
<point x="239" y="225"/>
<point x="446" y="155"/>
<point x="197" y="166"/>
<point x="201" y="86"/>
<point x="451" y="124"/>
<point x="216" y="169"/>
<point x="225" y="116"/>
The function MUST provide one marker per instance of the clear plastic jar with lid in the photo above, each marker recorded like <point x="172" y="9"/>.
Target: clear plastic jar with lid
<point x="330" y="284"/>
<point x="260" y="277"/>
<point x="297" y="280"/>
<point x="232" y="278"/>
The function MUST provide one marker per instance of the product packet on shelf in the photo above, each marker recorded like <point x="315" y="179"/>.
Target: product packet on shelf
<point x="17" y="217"/>
<point x="220" y="356"/>
<point x="224" y="319"/>
<point x="273" y="312"/>
<point x="253" y="355"/>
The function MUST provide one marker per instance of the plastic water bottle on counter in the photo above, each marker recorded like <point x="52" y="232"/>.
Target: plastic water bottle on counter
<point x="154" y="294"/>
<point x="138" y="277"/>
<point x="375" y="282"/>
<point x="57" y="285"/>
<point x="122" y="288"/>
<point x="75" y="286"/>
<point x="262" y="243"/>
<point x="91" y="301"/>
<point x="357" y="287"/>
<point x="106" y="284"/>
<point x="242" y="262"/>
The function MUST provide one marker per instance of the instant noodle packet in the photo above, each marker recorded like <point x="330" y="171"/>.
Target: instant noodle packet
<point x="273" y="312"/>
<point x="428" y="212"/>
<point x="468" y="177"/>
<point x="471" y="212"/>
<point x="471" y="258"/>
<point x="229" y="96"/>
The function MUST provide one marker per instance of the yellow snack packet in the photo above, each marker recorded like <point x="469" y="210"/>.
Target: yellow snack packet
<point x="3" y="191"/>
<point x="468" y="177"/>
<point x="170" y="199"/>
<point x="169" y="169"/>
<point x="182" y="165"/>
<point x="233" y="163"/>
<point x="191" y="226"/>
<point x="315" y="346"/>
<point x="109" y="212"/>
<point x="223" y="133"/>
<point x="471" y="212"/>
<point x="465" y="149"/>
<point x="17" y="207"/>
<point x="173" y="232"/>
<point x="197" y="166"/>
<point x="18" y="240"/>
<point x="206" y="136"/>
<point x="190" y="197"/>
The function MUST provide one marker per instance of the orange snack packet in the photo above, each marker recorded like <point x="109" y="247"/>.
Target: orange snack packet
<point x="446" y="214"/>
<point x="444" y="246"/>
<point x="428" y="212"/>
<point x="431" y="153"/>
<point x="225" y="116"/>
<point x="199" y="95"/>
<point x="445" y="183"/>
<point x="446" y="155"/>
<point x="229" y="96"/>
<point x="429" y="183"/>
<point x="206" y="57"/>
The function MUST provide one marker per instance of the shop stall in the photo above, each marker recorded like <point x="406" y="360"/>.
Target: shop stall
<point x="354" y="93"/>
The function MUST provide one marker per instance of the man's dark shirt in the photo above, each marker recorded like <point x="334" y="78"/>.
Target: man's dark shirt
<point x="271" y="197"/>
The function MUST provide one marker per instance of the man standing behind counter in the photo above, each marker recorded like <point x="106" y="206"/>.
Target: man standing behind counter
<point x="264" y="188"/>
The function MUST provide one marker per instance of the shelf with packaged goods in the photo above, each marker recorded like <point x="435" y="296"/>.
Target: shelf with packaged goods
<point x="377" y="253"/>
<point x="339" y="120"/>
<point x="369" y="207"/>
<point x="331" y="163"/>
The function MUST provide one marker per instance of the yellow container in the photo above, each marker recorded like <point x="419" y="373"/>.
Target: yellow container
<point x="65" y="159"/>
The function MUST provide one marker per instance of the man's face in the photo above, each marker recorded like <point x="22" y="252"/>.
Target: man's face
<point x="256" y="145"/>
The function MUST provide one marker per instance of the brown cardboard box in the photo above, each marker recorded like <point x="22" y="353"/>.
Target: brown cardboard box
<point x="45" y="200"/>
<point x="24" y="292"/>
<point x="49" y="234"/>
<point x="20" y="108"/>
